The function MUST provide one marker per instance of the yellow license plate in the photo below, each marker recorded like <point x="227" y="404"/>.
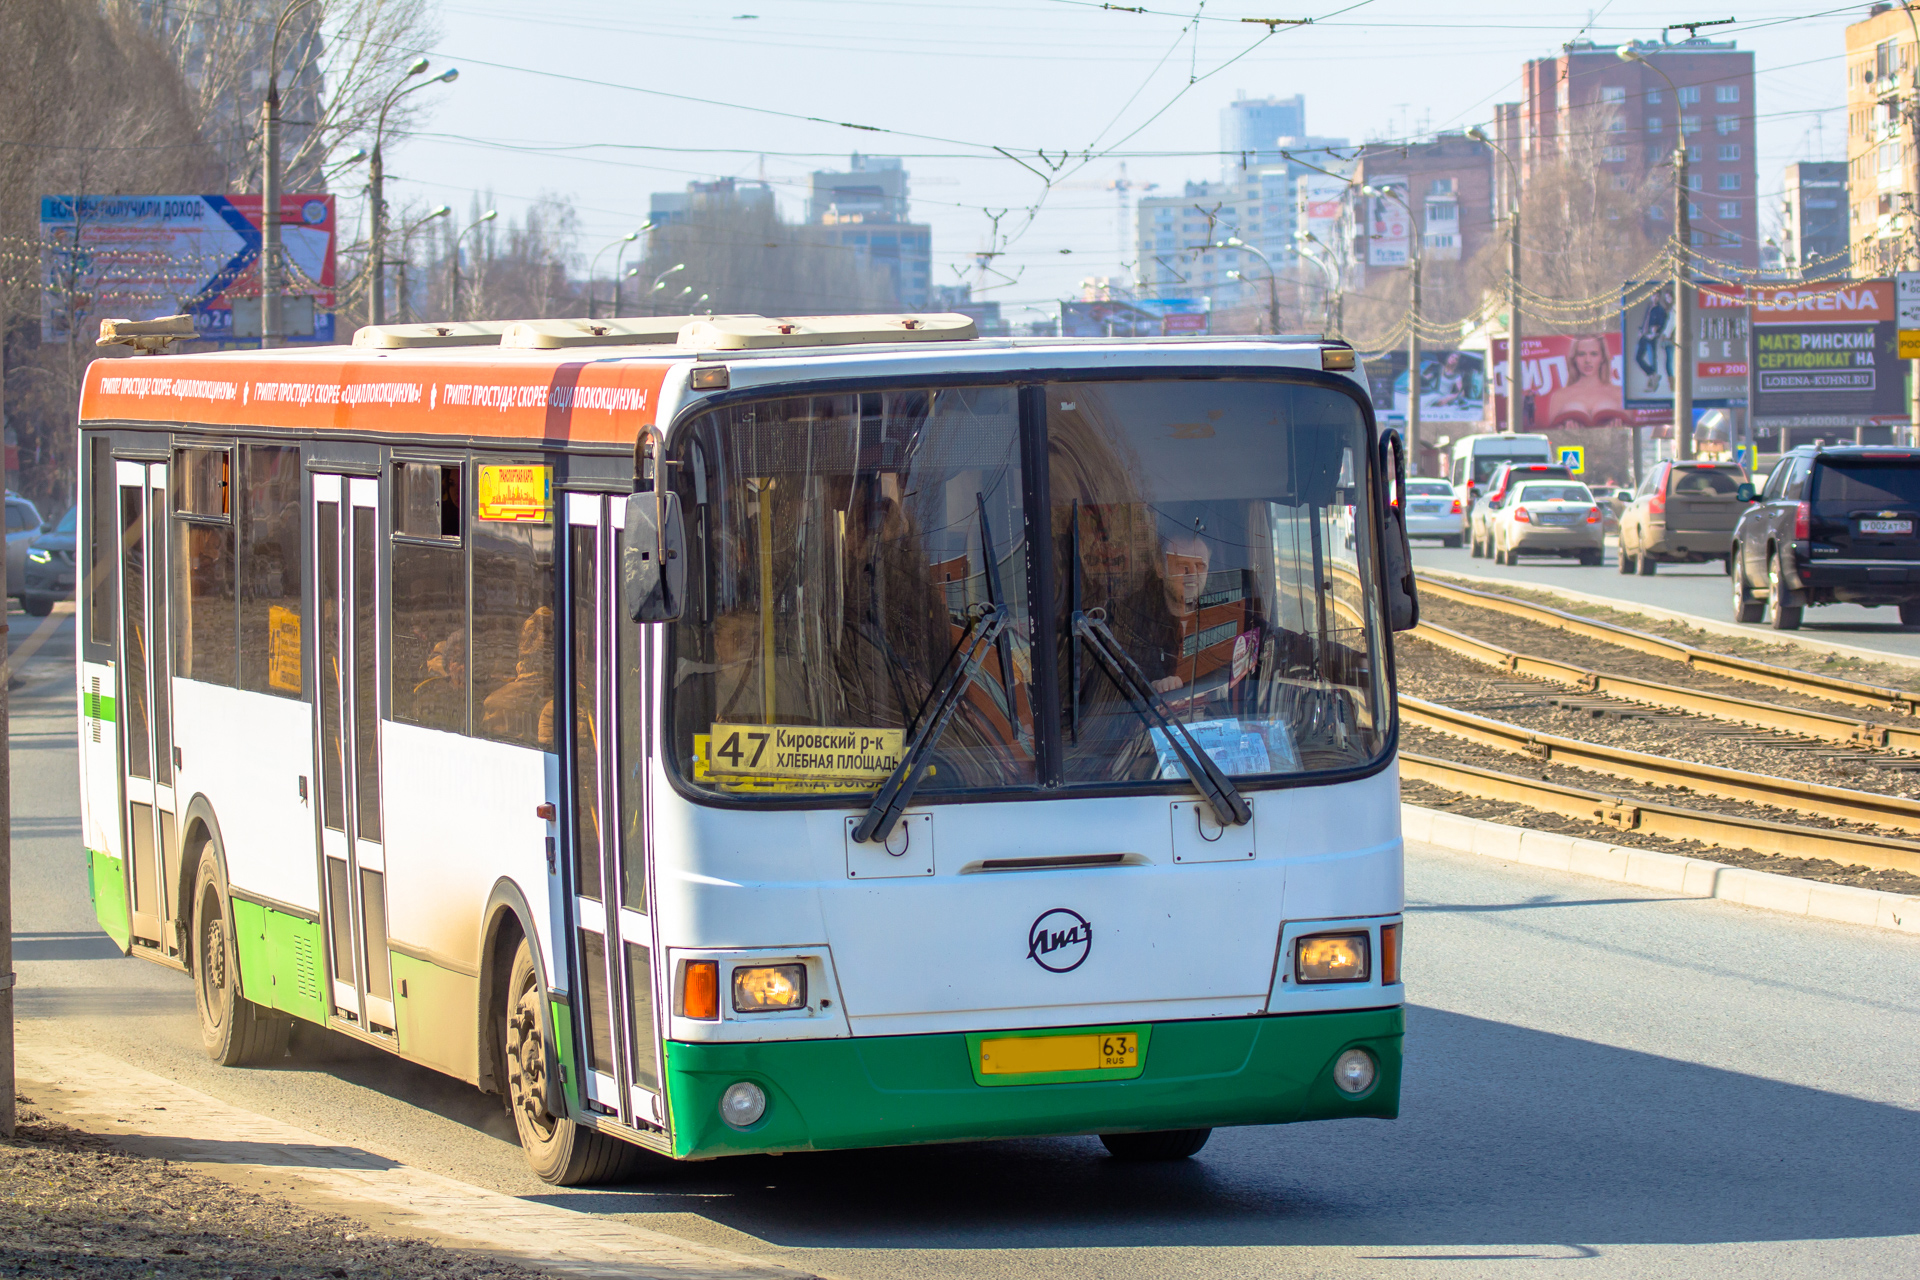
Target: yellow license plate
<point x="1027" y="1055"/>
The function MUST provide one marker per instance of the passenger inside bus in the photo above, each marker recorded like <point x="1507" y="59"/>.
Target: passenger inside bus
<point x="521" y="710"/>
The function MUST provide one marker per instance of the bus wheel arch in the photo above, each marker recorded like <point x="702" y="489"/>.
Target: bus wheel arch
<point x="507" y="920"/>
<point x="199" y="838"/>
<point x="234" y="1031"/>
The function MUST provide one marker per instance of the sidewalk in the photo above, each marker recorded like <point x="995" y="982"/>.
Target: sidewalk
<point x="418" y="1219"/>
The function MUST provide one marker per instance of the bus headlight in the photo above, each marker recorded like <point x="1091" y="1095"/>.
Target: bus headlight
<point x="1353" y="1071"/>
<point x="1330" y="957"/>
<point x="767" y="987"/>
<point x="743" y="1104"/>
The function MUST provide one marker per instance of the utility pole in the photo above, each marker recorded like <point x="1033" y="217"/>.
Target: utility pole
<point x="8" y="1117"/>
<point x="1683" y="248"/>
<point x="270" y="282"/>
<point x="453" y="264"/>
<point x="1913" y="126"/>
<point x="1516" y="412"/>
<point x="377" y="188"/>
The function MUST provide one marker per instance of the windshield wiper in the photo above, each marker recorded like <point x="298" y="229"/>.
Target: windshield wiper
<point x="987" y="630"/>
<point x="1230" y="808"/>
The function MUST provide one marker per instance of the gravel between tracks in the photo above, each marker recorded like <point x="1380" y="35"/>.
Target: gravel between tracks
<point x="1545" y="641"/>
<point x="1433" y="797"/>
<point x="72" y="1206"/>
<point x="1439" y="675"/>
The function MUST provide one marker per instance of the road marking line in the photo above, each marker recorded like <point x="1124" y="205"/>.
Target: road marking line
<point x="157" y="1117"/>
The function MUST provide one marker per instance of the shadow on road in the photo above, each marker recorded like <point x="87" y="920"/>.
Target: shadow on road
<point x="1508" y="1137"/>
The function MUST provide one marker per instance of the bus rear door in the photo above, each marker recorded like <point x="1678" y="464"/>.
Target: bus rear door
<point x="146" y="717"/>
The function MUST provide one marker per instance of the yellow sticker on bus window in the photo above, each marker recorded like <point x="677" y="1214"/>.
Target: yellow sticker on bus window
<point x="283" y="648"/>
<point x="802" y="753"/>
<point x="515" y="493"/>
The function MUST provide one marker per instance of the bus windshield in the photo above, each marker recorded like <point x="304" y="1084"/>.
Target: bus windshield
<point x="844" y="549"/>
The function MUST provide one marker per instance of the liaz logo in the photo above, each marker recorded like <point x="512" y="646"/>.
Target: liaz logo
<point x="1060" y="940"/>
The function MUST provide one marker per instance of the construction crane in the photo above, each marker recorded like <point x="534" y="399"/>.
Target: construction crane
<point x="1122" y="187"/>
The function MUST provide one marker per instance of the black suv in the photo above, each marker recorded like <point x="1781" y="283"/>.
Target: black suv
<point x="1831" y="526"/>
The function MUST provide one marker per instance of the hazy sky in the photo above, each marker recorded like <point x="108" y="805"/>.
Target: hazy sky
<point x="549" y="100"/>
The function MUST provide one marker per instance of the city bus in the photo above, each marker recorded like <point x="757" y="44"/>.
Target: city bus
<point x="719" y="735"/>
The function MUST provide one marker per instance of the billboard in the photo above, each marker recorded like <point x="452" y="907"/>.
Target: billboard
<point x="1569" y="380"/>
<point x="1453" y="386"/>
<point x="1146" y="318"/>
<point x="1389" y="225"/>
<point x="1320" y="205"/>
<point x="1826" y="354"/>
<point x="1720" y="324"/>
<point x="141" y="257"/>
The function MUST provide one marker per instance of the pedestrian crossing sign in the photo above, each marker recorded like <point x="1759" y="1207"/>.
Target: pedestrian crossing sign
<point x="1743" y="454"/>
<point x="1574" y="458"/>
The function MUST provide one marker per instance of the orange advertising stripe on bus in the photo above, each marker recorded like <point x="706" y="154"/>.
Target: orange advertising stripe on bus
<point x="582" y="401"/>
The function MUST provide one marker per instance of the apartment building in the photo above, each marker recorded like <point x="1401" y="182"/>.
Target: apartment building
<point x="1814" y="220"/>
<point x="1883" y="89"/>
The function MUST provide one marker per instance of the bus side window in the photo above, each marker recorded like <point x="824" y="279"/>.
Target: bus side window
<point x="513" y="632"/>
<point x="103" y="544"/>
<point x="206" y="621"/>
<point x="429" y="628"/>
<point x="272" y="603"/>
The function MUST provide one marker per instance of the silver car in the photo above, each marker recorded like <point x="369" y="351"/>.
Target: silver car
<point x="1433" y="511"/>
<point x="23" y="526"/>
<point x="1548" y="517"/>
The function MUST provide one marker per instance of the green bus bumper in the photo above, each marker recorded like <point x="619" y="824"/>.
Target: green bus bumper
<point x="889" y="1090"/>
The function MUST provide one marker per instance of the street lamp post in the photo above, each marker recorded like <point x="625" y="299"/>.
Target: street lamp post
<point x="1516" y="413"/>
<point x="406" y="257"/>
<point x="619" y="260"/>
<point x="1330" y="296"/>
<point x="659" y="283"/>
<point x="377" y="184"/>
<point x="270" y="283"/>
<point x="593" y="269"/>
<point x="1273" y="293"/>
<point x="1682" y="295"/>
<point x="1415" y="234"/>
<point x="453" y="282"/>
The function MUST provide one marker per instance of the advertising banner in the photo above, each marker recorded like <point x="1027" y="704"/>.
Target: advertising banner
<point x="1826" y="354"/>
<point x="1569" y="380"/>
<point x="1146" y="318"/>
<point x="142" y="257"/>
<point x="1389" y="226"/>
<point x="1320" y="205"/>
<point x="1719" y="348"/>
<point x="1453" y="386"/>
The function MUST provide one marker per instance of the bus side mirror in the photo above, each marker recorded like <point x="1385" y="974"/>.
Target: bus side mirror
<point x="1744" y="493"/>
<point x="1403" y="604"/>
<point x="653" y="557"/>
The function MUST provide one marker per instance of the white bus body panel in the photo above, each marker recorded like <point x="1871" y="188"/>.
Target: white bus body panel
<point x="99" y="759"/>
<point x="948" y="952"/>
<point x="460" y="816"/>
<point x="246" y="753"/>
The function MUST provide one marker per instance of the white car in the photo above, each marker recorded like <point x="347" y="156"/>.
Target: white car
<point x="1433" y="511"/>
<point x="1547" y="517"/>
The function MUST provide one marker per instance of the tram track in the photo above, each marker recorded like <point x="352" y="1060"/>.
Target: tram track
<point x="1833" y="831"/>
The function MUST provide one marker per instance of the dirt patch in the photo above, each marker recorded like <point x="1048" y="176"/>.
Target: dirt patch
<point x="1430" y="796"/>
<point x="1889" y="674"/>
<point x="72" y="1206"/>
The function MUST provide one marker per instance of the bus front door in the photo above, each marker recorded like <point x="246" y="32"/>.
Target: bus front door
<point x="615" y="989"/>
<point x="346" y="542"/>
<point x="146" y="718"/>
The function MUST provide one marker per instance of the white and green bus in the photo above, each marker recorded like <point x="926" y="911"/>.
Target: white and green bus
<point x="741" y="735"/>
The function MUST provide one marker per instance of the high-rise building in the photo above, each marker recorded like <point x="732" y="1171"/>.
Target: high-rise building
<point x="865" y="209"/>
<point x="1175" y="234"/>
<point x="1882" y="93"/>
<point x="672" y="208"/>
<point x="1251" y="129"/>
<point x="1588" y="104"/>
<point x="1813" y="220"/>
<point x="1445" y="184"/>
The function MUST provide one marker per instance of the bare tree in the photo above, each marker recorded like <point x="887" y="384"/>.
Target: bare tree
<point x="338" y="59"/>
<point x="744" y="258"/>
<point x="93" y="107"/>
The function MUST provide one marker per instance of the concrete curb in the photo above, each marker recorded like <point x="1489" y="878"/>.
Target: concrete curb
<point x="1650" y="869"/>
<point x="1713" y="626"/>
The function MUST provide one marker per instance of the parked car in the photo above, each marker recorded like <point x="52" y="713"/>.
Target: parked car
<point x="1494" y="497"/>
<point x="23" y="526"/>
<point x="1547" y="517"/>
<point x="1682" y="513"/>
<point x="49" y="569"/>
<point x="1433" y="511"/>
<point x="1831" y="526"/>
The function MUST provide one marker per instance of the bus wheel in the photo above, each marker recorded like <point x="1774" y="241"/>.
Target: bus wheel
<point x="557" y="1150"/>
<point x="234" y="1030"/>
<point x="1167" y="1144"/>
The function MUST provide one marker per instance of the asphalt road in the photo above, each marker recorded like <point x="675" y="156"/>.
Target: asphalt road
<point x="1700" y="589"/>
<point x="1652" y="1086"/>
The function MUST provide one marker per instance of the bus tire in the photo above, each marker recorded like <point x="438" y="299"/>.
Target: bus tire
<point x="1166" y="1144"/>
<point x="558" y="1150"/>
<point x="234" y="1030"/>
